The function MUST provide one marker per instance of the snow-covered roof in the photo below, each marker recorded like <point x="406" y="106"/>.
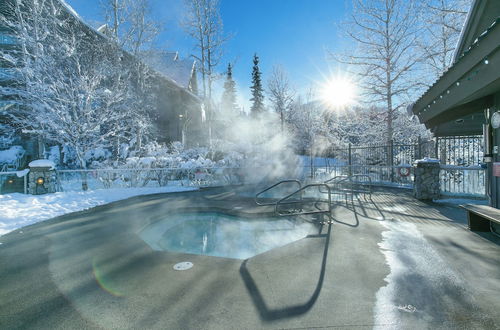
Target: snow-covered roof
<point x="457" y="52"/>
<point x="170" y="65"/>
<point x="178" y="72"/>
<point x="458" y="58"/>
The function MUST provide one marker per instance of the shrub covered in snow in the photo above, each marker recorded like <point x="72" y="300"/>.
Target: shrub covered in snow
<point x="11" y="155"/>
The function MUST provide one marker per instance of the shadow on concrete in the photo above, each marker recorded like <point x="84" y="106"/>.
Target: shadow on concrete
<point x="268" y="314"/>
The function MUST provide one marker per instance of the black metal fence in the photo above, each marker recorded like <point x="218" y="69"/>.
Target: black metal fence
<point x="391" y="164"/>
<point x="459" y="151"/>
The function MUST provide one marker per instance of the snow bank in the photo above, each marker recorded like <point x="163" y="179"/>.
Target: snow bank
<point x="427" y="160"/>
<point x="461" y="201"/>
<point x="19" y="210"/>
<point x="321" y="161"/>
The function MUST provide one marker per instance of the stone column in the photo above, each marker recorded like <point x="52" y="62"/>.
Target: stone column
<point x="41" y="180"/>
<point x="426" y="184"/>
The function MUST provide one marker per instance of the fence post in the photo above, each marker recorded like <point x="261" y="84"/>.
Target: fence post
<point x="436" y="148"/>
<point x="350" y="159"/>
<point x="391" y="159"/>
<point x="419" y="148"/>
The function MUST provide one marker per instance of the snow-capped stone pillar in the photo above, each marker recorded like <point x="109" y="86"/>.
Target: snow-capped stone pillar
<point x="42" y="177"/>
<point x="426" y="184"/>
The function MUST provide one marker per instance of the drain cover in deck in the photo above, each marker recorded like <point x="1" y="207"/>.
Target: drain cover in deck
<point x="183" y="265"/>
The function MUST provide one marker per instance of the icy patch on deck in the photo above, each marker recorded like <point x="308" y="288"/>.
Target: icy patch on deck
<point x="421" y="286"/>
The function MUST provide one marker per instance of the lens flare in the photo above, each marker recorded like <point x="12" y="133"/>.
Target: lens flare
<point x="104" y="281"/>
<point x="338" y="92"/>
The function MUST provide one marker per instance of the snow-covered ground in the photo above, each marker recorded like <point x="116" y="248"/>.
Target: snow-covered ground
<point x="460" y="201"/>
<point x="19" y="210"/>
<point x="321" y="161"/>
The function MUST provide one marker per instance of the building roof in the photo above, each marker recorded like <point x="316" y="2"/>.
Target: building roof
<point x="465" y="90"/>
<point x="170" y="65"/>
<point x="175" y="75"/>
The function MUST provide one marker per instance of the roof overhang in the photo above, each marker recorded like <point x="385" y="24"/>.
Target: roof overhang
<point x="467" y="87"/>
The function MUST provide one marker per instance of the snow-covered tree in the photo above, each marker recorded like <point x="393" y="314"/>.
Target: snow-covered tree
<point x="229" y="103"/>
<point x="75" y="89"/>
<point x="306" y="121"/>
<point x="442" y="21"/>
<point x="204" y="24"/>
<point x="384" y="33"/>
<point x="281" y="94"/>
<point x="130" y="24"/>
<point x="257" y="89"/>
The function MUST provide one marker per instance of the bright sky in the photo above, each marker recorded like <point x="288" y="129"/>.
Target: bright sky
<point x="294" y="33"/>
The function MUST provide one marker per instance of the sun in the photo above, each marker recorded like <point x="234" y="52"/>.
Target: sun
<point x="338" y="92"/>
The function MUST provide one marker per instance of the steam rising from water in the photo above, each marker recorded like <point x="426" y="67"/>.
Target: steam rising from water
<point x="268" y="150"/>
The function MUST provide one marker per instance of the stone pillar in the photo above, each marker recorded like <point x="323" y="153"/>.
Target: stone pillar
<point x="42" y="180"/>
<point x="426" y="184"/>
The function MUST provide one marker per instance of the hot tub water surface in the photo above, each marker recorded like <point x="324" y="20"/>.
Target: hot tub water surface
<point x="221" y="235"/>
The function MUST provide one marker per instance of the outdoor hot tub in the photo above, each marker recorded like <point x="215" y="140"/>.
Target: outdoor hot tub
<point x="222" y="235"/>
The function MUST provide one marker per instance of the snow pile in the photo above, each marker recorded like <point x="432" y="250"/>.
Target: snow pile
<point x="427" y="160"/>
<point x="11" y="155"/>
<point x="19" y="210"/>
<point x="321" y="161"/>
<point x="42" y="163"/>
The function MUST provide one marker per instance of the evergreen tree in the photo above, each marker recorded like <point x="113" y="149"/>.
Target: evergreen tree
<point x="229" y="104"/>
<point x="257" y="91"/>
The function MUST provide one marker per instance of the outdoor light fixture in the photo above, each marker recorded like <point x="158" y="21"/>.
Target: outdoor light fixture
<point x="40" y="181"/>
<point x="486" y="61"/>
<point x="180" y="116"/>
<point x="458" y="83"/>
<point x="495" y="120"/>
<point x="10" y="181"/>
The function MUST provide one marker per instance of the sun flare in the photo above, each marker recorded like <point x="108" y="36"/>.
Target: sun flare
<point x="338" y="92"/>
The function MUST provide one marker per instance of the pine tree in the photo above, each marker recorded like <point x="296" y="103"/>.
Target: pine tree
<point x="257" y="91"/>
<point x="229" y="104"/>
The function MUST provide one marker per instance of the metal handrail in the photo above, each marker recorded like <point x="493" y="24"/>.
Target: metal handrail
<point x="335" y="178"/>
<point x="281" y="201"/>
<point x="271" y="187"/>
<point x="369" y="182"/>
<point x="349" y="178"/>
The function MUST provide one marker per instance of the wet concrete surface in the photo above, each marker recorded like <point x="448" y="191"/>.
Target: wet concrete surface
<point x="90" y="270"/>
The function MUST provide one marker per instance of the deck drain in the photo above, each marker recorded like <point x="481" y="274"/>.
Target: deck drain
<point x="183" y="265"/>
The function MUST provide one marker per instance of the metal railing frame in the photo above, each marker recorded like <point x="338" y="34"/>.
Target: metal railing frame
<point x="274" y="186"/>
<point x="281" y="202"/>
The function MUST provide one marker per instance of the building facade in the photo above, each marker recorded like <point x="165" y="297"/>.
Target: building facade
<point x="465" y="100"/>
<point x="176" y="109"/>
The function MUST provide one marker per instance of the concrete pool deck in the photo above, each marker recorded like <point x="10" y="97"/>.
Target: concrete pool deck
<point x="392" y="263"/>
